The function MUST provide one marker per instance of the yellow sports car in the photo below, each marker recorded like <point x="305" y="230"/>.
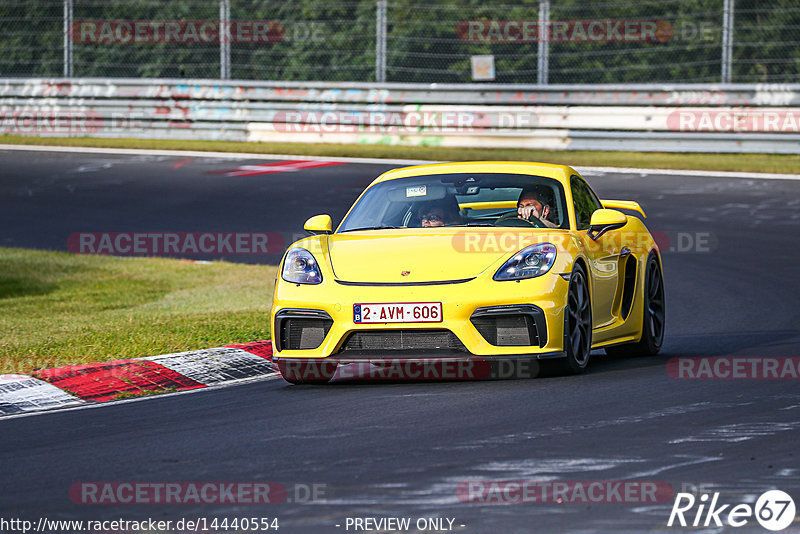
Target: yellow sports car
<point x="460" y="262"/>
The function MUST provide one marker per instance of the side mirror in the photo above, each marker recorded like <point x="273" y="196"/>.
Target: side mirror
<point x="318" y="224"/>
<point x="604" y="220"/>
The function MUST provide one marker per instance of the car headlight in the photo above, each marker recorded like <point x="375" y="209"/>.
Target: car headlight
<point x="529" y="262"/>
<point x="300" y="267"/>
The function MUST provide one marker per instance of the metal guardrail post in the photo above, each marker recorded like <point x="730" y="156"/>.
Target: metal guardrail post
<point x="224" y="42"/>
<point x="543" y="56"/>
<point x="380" y="41"/>
<point x="727" y="40"/>
<point x="67" y="38"/>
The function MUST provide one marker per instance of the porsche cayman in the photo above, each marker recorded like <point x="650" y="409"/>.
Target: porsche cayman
<point x="458" y="261"/>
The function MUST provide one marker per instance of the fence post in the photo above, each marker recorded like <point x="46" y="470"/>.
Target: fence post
<point x="224" y="42"/>
<point x="727" y="41"/>
<point x="543" y="56"/>
<point x="380" y="41"/>
<point x="67" y="38"/>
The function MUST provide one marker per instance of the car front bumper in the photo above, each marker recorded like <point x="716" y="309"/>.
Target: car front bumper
<point x="542" y="298"/>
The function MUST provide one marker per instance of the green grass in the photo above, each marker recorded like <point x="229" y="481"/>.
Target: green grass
<point x="58" y="308"/>
<point x="143" y="393"/>
<point x="779" y="163"/>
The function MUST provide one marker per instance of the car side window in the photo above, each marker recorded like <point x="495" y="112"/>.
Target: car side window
<point x="584" y="201"/>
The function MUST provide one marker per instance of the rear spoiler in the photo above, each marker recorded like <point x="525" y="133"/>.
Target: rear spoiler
<point x="623" y="205"/>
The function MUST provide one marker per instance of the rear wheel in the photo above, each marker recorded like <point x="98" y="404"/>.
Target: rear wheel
<point x="653" y="316"/>
<point x="577" y="323"/>
<point x="310" y="372"/>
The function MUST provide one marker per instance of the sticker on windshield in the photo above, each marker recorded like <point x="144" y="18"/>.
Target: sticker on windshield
<point x="416" y="191"/>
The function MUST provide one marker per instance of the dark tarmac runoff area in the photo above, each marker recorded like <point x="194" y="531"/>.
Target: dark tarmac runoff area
<point x="428" y="450"/>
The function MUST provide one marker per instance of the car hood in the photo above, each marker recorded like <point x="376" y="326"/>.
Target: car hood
<point x="397" y="256"/>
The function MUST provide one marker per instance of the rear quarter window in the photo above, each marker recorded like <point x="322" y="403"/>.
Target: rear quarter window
<point x="584" y="200"/>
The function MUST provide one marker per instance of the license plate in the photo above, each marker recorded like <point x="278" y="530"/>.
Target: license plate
<point x="398" y="312"/>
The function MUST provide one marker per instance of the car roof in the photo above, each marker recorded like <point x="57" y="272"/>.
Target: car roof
<point x="548" y="170"/>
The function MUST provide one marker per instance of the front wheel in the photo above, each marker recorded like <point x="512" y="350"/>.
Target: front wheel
<point x="653" y="316"/>
<point x="577" y="323"/>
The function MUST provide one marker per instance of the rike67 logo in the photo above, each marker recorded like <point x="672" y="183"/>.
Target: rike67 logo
<point x="774" y="510"/>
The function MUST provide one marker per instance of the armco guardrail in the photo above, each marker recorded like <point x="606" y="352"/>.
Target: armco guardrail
<point x="684" y="118"/>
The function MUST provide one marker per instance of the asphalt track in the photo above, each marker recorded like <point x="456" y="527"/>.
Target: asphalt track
<point x="402" y="449"/>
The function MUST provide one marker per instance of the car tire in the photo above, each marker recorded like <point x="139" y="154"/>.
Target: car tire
<point x="310" y="372"/>
<point x="577" y="323"/>
<point x="653" y="316"/>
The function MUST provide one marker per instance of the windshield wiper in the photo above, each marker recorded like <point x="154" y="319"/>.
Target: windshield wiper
<point x="473" y="224"/>
<point x="370" y="228"/>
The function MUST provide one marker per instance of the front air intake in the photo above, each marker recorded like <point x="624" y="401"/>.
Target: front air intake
<point x="511" y="326"/>
<point x="301" y="329"/>
<point x="395" y="341"/>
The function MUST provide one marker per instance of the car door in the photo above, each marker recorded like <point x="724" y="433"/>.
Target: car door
<point x="603" y="254"/>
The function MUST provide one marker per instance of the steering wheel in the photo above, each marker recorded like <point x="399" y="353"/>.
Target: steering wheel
<point x="510" y="219"/>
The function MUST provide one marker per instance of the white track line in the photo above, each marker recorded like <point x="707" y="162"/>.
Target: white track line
<point x="678" y="172"/>
<point x="379" y="161"/>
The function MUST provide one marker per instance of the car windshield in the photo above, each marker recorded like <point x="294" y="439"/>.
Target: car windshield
<point x="482" y="199"/>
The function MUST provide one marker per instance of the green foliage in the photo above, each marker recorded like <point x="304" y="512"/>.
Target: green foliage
<point x="334" y="40"/>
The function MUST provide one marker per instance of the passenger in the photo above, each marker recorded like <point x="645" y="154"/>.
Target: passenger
<point x="438" y="213"/>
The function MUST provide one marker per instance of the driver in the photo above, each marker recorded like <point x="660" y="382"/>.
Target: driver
<point x="534" y="201"/>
